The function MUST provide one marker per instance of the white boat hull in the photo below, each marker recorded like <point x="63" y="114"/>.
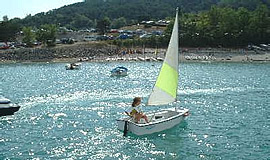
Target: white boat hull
<point x="159" y="121"/>
<point x="75" y="66"/>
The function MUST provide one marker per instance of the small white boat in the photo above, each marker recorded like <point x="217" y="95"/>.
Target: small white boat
<point x="159" y="59"/>
<point x="141" y="58"/>
<point x="7" y="108"/>
<point x="163" y="93"/>
<point x="119" y="71"/>
<point x="159" y="121"/>
<point x="73" y="66"/>
<point x="153" y="59"/>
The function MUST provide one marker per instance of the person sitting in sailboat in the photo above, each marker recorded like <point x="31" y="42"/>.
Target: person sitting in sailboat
<point x="136" y="112"/>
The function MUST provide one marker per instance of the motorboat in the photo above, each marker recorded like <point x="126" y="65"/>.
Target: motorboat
<point x="119" y="71"/>
<point x="7" y="107"/>
<point x="73" y="66"/>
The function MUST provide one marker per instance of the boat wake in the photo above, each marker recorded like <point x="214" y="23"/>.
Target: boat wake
<point x="81" y="96"/>
<point x="211" y="90"/>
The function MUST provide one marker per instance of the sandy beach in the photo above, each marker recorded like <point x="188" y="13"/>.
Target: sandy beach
<point x="191" y="55"/>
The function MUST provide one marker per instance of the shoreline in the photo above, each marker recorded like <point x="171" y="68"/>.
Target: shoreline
<point x="86" y="52"/>
<point x="195" y="59"/>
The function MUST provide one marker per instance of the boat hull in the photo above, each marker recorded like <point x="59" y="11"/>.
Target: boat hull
<point x="119" y="71"/>
<point x="159" y="121"/>
<point x="75" y="66"/>
<point x="9" y="110"/>
<point x="119" y="74"/>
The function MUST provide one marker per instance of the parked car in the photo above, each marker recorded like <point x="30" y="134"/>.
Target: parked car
<point x="90" y="38"/>
<point x="67" y="41"/>
<point x="124" y="36"/>
<point x="102" y="37"/>
<point x="4" y="46"/>
<point x="148" y="35"/>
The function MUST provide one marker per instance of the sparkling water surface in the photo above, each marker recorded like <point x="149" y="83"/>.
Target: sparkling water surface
<point x="71" y="114"/>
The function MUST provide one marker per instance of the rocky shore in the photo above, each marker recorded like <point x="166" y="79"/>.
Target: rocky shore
<point x="98" y="52"/>
<point x="63" y="52"/>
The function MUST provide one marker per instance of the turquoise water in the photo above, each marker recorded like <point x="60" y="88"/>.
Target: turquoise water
<point x="68" y="114"/>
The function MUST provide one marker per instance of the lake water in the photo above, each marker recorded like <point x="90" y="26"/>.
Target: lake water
<point x="70" y="114"/>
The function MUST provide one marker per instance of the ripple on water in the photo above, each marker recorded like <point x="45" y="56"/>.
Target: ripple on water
<point x="71" y="114"/>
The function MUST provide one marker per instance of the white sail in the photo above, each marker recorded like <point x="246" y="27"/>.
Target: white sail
<point x="165" y="89"/>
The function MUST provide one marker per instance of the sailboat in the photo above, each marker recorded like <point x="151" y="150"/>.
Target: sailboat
<point x="163" y="93"/>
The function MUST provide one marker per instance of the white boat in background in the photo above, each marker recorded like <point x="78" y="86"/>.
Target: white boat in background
<point x="141" y="58"/>
<point x="7" y="108"/>
<point x="159" y="59"/>
<point x="73" y="66"/>
<point x="164" y="93"/>
<point x="119" y="71"/>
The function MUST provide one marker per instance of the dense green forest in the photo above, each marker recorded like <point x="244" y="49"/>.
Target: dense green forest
<point x="85" y="14"/>
<point x="226" y="27"/>
<point x="228" y="23"/>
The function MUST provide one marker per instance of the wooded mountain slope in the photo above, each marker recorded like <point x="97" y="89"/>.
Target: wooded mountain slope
<point x="88" y="12"/>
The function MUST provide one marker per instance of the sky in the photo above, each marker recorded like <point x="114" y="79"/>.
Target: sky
<point x="21" y="8"/>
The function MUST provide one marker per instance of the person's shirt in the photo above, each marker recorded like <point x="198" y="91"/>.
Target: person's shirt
<point x="133" y="110"/>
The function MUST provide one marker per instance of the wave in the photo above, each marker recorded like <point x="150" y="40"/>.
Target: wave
<point x="212" y="90"/>
<point x="93" y="96"/>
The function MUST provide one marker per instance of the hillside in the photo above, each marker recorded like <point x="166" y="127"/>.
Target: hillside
<point x="85" y="14"/>
<point x="227" y="23"/>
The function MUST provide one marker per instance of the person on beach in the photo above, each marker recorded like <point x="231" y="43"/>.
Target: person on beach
<point x="135" y="111"/>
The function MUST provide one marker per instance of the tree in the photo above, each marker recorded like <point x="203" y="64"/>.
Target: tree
<point x="243" y="19"/>
<point x="5" y="18"/>
<point x="103" y="25"/>
<point x="81" y="21"/>
<point x="47" y="34"/>
<point x="259" y="27"/>
<point x="119" y="22"/>
<point x="250" y="4"/>
<point x="8" y="31"/>
<point x="28" y="36"/>
<point x="227" y="26"/>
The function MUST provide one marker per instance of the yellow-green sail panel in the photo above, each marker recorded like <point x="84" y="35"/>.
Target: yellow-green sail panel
<point x="165" y="89"/>
<point x="168" y="80"/>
